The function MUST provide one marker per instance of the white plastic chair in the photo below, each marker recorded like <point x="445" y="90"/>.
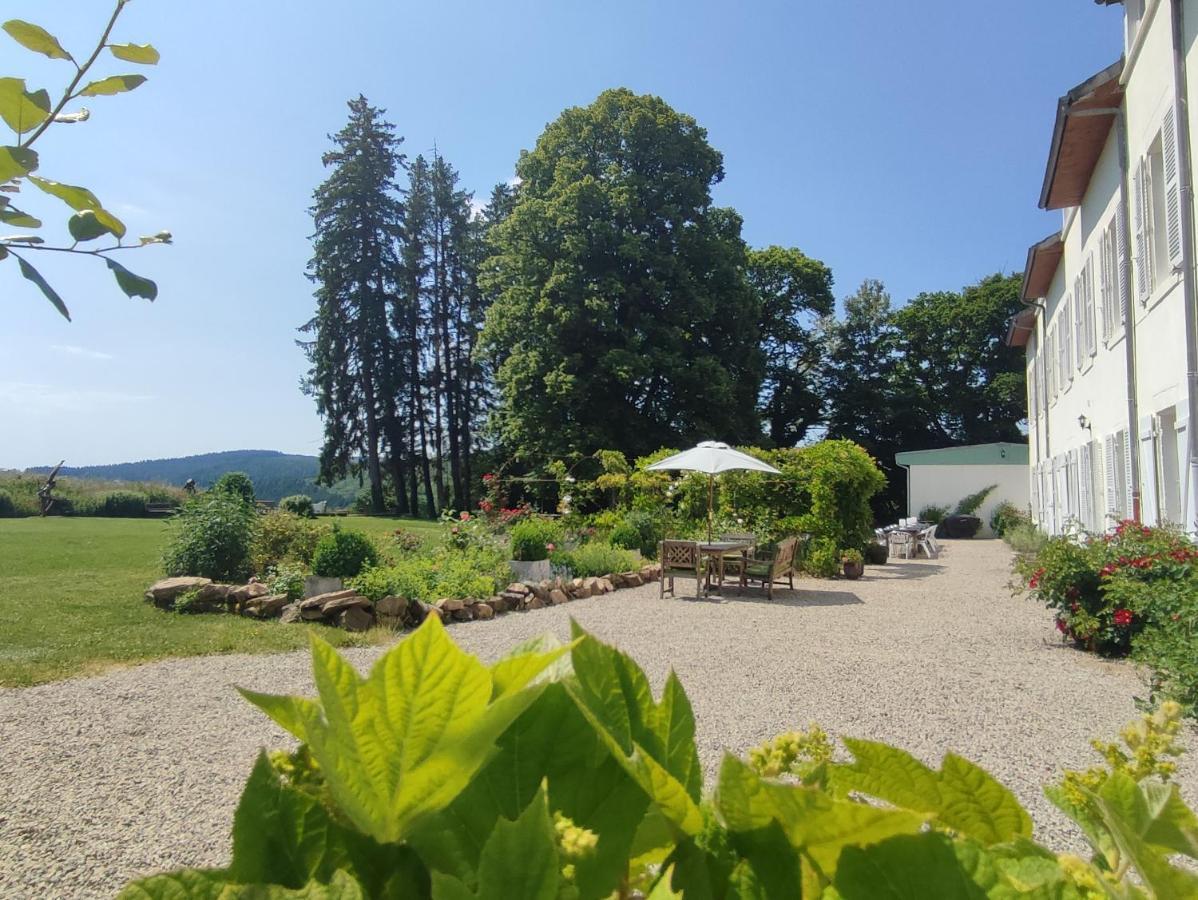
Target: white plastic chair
<point x="901" y="543"/>
<point x="927" y="542"/>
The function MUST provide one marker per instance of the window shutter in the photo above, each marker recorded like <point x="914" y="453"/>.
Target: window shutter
<point x="1140" y="234"/>
<point x="1112" y="484"/>
<point x="1067" y="328"/>
<point x="1091" y="309"/>
<point x="1128" y="509"/>
<point x="1079" y="321"/>
<point x="1083" y="483"/>
<point x="1035" y="478"/>
<point x="1180" y="422"/>
<point x="1104" y="280"/>
<point x="1148" y="492"/>
<point x="1121" y="271"/>
<point x="1172" y="186"/>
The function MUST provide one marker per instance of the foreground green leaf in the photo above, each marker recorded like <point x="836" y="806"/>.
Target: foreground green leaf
<point x="10" y="215"/>
<point x="135" y="53"/>
<point x="35" y="276"/>
<point x="15" y="162"/>
<point x="35" y="38"/>
<point x="80" y="199"/>
<point x="905" y="867"/>
<point x="114" y="84"/>
<point x="199" y="884"/>
<point x="85" y="226"/>
<point x="132" y="285"/>
<point x="21" y="110"/>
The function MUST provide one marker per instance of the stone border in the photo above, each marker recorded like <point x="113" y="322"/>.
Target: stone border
<point x="350" y="610"/>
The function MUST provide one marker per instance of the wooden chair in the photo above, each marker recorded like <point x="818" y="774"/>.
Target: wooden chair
<point x="679" y="557"/>
<point x="771" y="571"/>
<point x="733" y="562"/>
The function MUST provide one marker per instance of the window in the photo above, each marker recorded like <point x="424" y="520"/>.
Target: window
<point x="1168" y="472"/>
<point x="1065" y="340"/>
<point x="1156" y="203"/>
<point x="1050" y="362"/>
<point x="1170" y="225"/>
<point x="1110" y="281"/>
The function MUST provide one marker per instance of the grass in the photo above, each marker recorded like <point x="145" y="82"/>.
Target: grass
<point x="71" y="601"/>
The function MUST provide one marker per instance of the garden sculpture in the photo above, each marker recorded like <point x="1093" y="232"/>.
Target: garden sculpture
<point x="190" y="486"/>
<point x="45" y="494"/>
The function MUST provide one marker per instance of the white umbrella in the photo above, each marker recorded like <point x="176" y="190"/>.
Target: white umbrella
<point x="712" y="458"/>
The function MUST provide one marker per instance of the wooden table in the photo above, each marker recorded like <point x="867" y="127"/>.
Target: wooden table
<point x="716" y="551"/>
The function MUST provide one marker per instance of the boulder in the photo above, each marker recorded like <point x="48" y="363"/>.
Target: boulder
<point x="315" y="585"/>
<point x="615" y="580"/>
<point x="312" y="607"/>
<point x="163" y="593"/>
<point x="427" y="609"/>
<point x="534" y="602"/>
<point x="631" y="579"/>
<point x="311" y="613"/>
<point x="265" y="607"/>
<point x="239" y="595"/>
<point x="332" y="607"/>
<point x="391" y="606"/>
<point x="498" y="603"/>
<point x="450" y="605"/>
<point x="465" y="614"/>
<point x="355" y="618"/>
<point x="517" y="588"/>
<point x="290" y="614"/>
<point x="581" y="592"/>
<point x="593" y="586"/>
<point x="541" y="590"/>
<point x="650" y="573"/>
<point x="483" y="611"/>
<point x="557" y="597"/>
<point x="605" y="584"/>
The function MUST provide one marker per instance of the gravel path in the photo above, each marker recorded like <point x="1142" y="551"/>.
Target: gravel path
<point x="137" y="770"/>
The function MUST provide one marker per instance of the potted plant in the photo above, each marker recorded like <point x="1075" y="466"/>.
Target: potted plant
<point x="533" y="540"/>
<point x="853" y="563"/>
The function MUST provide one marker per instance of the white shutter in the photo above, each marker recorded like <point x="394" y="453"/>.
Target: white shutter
<point x="1140" y="232"/>
<point x="1181" y="420"/>
<point x="1091" y="311"/>
<point x="1172" y="187"/>
<point x="1105" y="281"/>
<point x="1035" y="491"/>
<point x="1121" y="270"/>
<point x="1128" y="509"/>
<point x="1112" y="483"/>
<point x="1083" y="483"/>
<point x="1067" y="327"/>
<point x="1079" y="321"/>
<point x="1148" y="487"/>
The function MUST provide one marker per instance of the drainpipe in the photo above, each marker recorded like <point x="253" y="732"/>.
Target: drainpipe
<point x="1186" y="186"/>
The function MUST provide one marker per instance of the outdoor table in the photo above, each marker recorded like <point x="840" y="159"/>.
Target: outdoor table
<point x="716" y="550"/>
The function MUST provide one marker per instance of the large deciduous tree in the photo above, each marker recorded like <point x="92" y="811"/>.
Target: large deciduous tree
<point x="795" y="293"/>
<point x="356" y="267"/>
<point x="622" y="317"/>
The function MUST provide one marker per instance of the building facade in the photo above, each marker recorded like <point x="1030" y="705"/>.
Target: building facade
<point x="1109" y="323"/>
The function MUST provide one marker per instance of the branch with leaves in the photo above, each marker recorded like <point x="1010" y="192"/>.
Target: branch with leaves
<point x="29" y="114"/>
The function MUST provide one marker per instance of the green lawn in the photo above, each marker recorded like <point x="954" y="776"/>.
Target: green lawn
<point x="71" y="600"/>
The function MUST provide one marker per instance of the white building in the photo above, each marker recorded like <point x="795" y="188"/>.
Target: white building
<point x="944" y="477"/>
<point x="1110" y="322"/>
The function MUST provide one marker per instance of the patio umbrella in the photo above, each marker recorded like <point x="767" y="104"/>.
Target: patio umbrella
<point x="712" y="458"/>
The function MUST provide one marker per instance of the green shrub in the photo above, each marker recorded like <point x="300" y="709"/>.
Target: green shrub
<point x="933" y="514"/>
<point x="476" y="573"/>
<point x="823" y="557"/>
<point x="855" y="557"/>
<point x="7" y="507"/>
<point x="474" y="786"/>
<point x="299" y="504"/>
<point x="211" y="537"/>
<point x="118" y="504"/>
<point x="343" y="554"/>
<point x="282" y="537"/>
<point x="534" y="538"/>
<point x="970" y="504"/>
<point x="639" y="530"/>
<point x="1007" y="515"/>
<point x="237" y="483"/>
<point x="288" y="579"/>
<point x="596" y="558"/>
<point x="876" y="554"/>
<point x="1026" y="539"/>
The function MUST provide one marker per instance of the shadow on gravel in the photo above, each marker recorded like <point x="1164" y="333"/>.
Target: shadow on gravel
<point x="900" y="571"/>
<point x="784" y="597"/>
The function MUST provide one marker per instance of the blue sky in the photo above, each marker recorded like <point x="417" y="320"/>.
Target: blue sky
<point x="904" y="142"/>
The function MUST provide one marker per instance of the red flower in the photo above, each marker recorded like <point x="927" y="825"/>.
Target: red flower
<point x="485" y="505"/>
<point x="488" y="477"/>
<point x="550" y="547"/>
<point x="1123" y="617"/>
<point x="1108" y="570"/>
<point x="1061" y="626"/>
<point x="465" y="516"/>
<point x="1074" y="607"/>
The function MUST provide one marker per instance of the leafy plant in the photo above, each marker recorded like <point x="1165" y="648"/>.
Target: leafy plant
<point x="343" y="554"/>
<point x="288" y="579"/>
<point x="853" y="557"/>
<point x="876" y="554"/>
<point x="971" y="503"/>
<point x="594" y="559"/>
<point x="236" y="483"/>
<point x="639" y="530"/>
<point x="7" y="507"/>
<point x="823" y="558"/>
<point x="534" y="538"/>
<point x="212" y="535"/>
<point x="29" y="114"/>
<point x="1025" y="538"/>
<point x="119" y="505"/>
<point x="1006" y="516"/>
<point x="298" y="504"/>
<point x="933" y="514"/>
<point x="555" y="772"/>
<point x="282" y="537"/>
<point x="473" y="573"/>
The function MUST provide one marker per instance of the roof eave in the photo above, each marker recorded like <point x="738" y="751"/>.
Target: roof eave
<point x="1065" y="106"/>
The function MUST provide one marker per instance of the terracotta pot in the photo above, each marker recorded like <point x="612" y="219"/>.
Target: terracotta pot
<point x="854" y="570"/>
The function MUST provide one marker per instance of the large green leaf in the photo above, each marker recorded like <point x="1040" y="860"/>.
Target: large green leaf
<point x="144" y="54"/>
<point x="10" y="215"/>
<point x="551" y="743"/>
<point x="35" y="276"/>
<point x="80" y="199"/>
<point x="285" y="836"/>
<point x="113" y="84"/>
<point x="405" y="741"/>
<point x="654" y="742"/>
<point x="21" y="110"/>
<point x="905" y="867"/>
<point x="962" y="796"/>
<point x="85" y="226"/>
<point x="199" y="884"/>
<point x="35" y="38"/>
<point x="15" y="162"/>
<point x="132" y="285"/>
<point x="815" y="822"/>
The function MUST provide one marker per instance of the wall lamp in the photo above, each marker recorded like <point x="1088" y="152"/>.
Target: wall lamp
<point x="1085" y="423"/>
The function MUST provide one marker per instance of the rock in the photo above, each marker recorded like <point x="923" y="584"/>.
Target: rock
<point x="321" y="599"/>
<point x="498" y="603"/>
<point x="163" y="593"/>
<point x="391" y="606"/>
<point x="429" y="610"/>
<point x="311" y="613"/>
<point x="239" y="595"/>
<point x="534" y="602"/>
<point x="517" y="588"/>
<point x="355" y="618"/>
<point x="606" y="584"/>
<point x="581" y="593"/>
<point x="557" y="597"/>
<point x="333" y="607"/>
<point x="650" y="573"/>
<point x="483" y="611"/>
<point x="541" y="590"/>
<point x="465" y="614"/>
<point x="265" y="607"/>
<point x="290" y="614"/>
<point x="615" y="580"/>
<point x="593" y="586"/>
<point x="315" y="585"/>
<point x="631" y="579"/>
<point x="450" y="605"/>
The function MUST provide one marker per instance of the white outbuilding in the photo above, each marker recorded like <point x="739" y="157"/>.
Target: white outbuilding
<point x="944" y="477"/>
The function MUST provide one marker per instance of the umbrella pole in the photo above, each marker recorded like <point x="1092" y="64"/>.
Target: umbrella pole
<point x="710" y="490"/>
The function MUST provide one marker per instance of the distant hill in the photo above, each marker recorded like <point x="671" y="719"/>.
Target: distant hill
<point x="275" y="475"/>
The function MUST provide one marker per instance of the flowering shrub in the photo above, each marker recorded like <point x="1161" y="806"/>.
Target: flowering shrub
<point x="534" y="539"/>
<point x="555" y="773"/>
<point x="283" y="537"/>
<point x="1135" y="590"/>
<point x="474" y="573"/>
<point x="464" y="531"/>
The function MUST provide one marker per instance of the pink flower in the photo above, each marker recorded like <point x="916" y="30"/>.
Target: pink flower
<point x="550" y="547"/>
<point x="465" y="516"/>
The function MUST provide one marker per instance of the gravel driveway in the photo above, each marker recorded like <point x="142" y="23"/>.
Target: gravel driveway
<point x="138" y="770"/>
